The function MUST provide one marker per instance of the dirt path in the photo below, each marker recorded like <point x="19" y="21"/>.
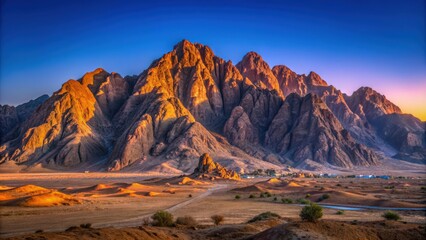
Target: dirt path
<point x="136" y="221"/>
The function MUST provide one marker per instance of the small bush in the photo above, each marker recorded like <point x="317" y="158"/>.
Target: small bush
<point x="302" y="201"/>
<point x="389" y="187"/>
<point x="275" y="198"/>
<point x="388" y="215"/>
<point x="324" y="197"/>
<point x="263" y="216"/>
<point x="39" y="231"/>
<point x="268" y="194"/>
<point x="186" y="221"/>
<point x="423" y="188"/>
<point x="162" y="219"/>
<point x="261" y="195"/>
<point x="338" y="185"/>
<point x="190" y="195"/>
<point x="252" y="196"/>
<point x="311" y="213"/>
<point x="217" y="219"/>
<point x="86" y="225"/>
<point x="340" y="212"/>
<point x="237" y="196"/>
<point x="287" y="200"/>
<point x="308" y="195"/>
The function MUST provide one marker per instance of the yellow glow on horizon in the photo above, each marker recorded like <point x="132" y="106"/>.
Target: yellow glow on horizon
<point x="411" y="100"/>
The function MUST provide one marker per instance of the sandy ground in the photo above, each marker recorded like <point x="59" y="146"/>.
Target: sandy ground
<point x="110" y="206"/>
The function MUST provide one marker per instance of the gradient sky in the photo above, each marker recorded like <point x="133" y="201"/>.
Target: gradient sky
<point x="381" y="44"/>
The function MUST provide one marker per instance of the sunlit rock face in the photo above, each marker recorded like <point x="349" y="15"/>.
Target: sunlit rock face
<point x="253" y="67"/>
<point x="190" y="102"/>
<point x="207" y="168"/>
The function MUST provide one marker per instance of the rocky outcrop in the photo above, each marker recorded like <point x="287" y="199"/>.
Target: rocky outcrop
<point x="207" y="168"/>
<point x="305" y="129"/>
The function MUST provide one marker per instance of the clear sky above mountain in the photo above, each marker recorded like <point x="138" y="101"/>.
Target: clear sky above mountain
<point x="381" y="44"/>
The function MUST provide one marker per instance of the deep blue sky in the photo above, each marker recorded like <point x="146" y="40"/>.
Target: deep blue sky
<point x="381" y="44"/>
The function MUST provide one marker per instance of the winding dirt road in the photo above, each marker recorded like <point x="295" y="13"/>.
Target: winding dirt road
<point x="136" y="221"/>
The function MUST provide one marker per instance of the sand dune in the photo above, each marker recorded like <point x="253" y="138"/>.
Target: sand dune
<point x="113" y="190"/>
<point x="35" y="196"/>
<point x="190" y="181"/>
<point x="49" y="199"/>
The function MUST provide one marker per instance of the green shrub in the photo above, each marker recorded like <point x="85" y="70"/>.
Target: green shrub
<point x="391" y="216"/>
<point x="308" y="195"/>
<point x="86" y="225"/>
<point x="287" y="200"/>
<point x="252" y="196"/>
<point x="324" y="197"/>
<point x="263" y="216"/>
<point x="162" y="219"/>
<point x="217" y="219"/>
<point x="268" y="194"/>
<point x="340" y="212"/>
<point x="186" y="221"/>
<point x="302" y="201"/>
<point x="311" y="212"/>
<point x="275" y="198"/>
<point x="261" y="195"/>
<point x="237" y="196"/>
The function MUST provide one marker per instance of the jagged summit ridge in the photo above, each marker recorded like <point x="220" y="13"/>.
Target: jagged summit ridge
<point x="190" y="102"/>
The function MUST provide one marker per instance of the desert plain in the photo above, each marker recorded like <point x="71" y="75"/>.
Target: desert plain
<point x="55" y="202"/>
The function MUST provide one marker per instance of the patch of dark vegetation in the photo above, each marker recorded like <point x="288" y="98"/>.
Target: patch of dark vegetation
<point x="311" y="212"/>
<point x="86" y="225"/>
<point x="162" y="219"/>
<point x="186" y="221"/>
<point x="264" y="216"/>
<point x="324" y="197"/>
<point x="303" y="201"/>
<point x="217" y="219"/>
<point x="389" y="215"/>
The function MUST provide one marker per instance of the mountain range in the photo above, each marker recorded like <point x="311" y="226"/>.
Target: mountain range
<point x="190" y="102"/>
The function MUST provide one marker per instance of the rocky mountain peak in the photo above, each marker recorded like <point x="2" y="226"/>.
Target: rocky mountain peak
<point x="258" y="71"/>
<point x="370" y="104"/>
<point x="315" y="79"/>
